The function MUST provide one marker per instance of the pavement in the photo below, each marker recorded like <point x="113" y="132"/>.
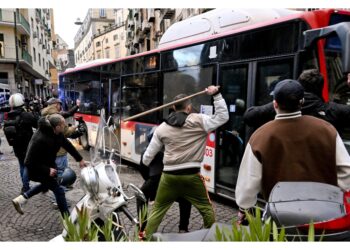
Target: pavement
<point x="42" y="222"/>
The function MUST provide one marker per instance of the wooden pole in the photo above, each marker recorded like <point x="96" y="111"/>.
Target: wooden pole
<point x="164" y="106"/>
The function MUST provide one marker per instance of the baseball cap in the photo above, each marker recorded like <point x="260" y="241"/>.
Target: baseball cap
<point x="53" y="101"/>
<point x="288" y="94"/>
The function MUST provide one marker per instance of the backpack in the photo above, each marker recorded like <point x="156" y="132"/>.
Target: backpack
<point x="11" y="130"/>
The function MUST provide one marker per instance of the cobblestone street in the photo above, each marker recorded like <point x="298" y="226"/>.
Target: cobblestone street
<point x="42" y="222"/>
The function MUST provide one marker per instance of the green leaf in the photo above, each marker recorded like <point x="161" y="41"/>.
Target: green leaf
<point x="311" y="233"/>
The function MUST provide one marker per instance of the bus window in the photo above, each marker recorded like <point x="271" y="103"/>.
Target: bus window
<point x="140" y="93"/>
<point x="188" y="81"/>
<point x="338" y="90"/>
<point x="268" y="75"/>
<point x="89" y="93"/>
<point x="276" y="40"/>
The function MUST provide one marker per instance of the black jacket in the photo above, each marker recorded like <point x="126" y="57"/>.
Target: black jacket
<point x="336" y="114"/>
<point x="70" y="112"/>
<point x="42" y="150"/>
<point x="27" y="122"/>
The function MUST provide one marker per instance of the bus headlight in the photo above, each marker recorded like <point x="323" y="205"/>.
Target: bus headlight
<point x="90" y="180"/>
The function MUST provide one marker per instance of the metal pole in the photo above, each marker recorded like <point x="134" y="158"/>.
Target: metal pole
<point x="164" y="106"/>
<point x="16" y="46"/>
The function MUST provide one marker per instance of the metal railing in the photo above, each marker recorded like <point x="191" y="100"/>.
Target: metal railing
<point x="10" y="53"/>
<point x="27" y="57"/>
<point x="23" y="22"/>
<point x="6" y="15"/>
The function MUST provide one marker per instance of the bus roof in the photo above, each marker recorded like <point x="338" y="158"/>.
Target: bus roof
<point x="280" y="15"/>
<point x="218" y="21"/>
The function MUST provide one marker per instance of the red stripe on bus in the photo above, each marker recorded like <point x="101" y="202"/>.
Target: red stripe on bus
<point x="88" y="118"/>
<point x="128" y="125"/>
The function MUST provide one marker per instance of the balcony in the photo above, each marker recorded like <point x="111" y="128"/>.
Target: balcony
<point x="37" y="15"/>
<point x="10" y="55"/>
<point x="168" y="13"/>
<point x="7" y="19"/>
<point x="27" y="57"/>
<point x="146" y="27"/>
<point x="131" y="24"/>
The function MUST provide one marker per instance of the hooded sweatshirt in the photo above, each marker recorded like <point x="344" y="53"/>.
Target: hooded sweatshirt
<point x="336" y="114"/>
<point x="184" y="137"/>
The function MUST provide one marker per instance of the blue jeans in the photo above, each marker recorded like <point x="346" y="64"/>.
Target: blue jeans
<point x="24" y="176"/>
<point x="62" y="164"/>
<point x="58" y="191"/>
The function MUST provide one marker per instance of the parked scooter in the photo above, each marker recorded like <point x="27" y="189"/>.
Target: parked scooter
<point x="104" y="195"/>
<point x="294" y="206"/>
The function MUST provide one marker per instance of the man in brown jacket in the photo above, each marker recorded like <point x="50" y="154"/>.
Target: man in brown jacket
<point x="291" y="148"/>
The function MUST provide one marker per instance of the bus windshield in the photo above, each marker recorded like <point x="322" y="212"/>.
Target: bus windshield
<point x="339" y="91"/>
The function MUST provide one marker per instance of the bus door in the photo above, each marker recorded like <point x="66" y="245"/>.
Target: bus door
<point x="230" y="141"/>
<point x="112" y="105"/>
<point x="112" y="98"/>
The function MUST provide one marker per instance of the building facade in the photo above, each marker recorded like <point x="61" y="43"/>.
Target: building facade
<point x="110" y="43"/>
<point x="95" y="22"/>
<point x="64" y="55"/>
<point x="25" y="51"/>
<point x="146" y="26"/>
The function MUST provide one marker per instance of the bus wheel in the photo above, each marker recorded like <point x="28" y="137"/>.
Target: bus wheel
<point x="84" y="140"/>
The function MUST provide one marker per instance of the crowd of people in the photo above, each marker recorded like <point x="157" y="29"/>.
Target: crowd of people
<point x="286" y="146"/>
<point x="297" y="137"/>
<point x="42" y="155"/>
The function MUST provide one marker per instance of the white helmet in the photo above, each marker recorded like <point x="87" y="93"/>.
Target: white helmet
<point x="16" y="100"/>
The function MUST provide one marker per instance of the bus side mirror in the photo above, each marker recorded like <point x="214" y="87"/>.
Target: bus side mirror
<point x="342" y="30"/>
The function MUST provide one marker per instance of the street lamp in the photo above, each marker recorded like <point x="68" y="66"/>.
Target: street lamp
<point x="78" y="22"/>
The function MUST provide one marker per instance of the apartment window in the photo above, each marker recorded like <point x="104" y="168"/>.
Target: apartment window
<point x="122" y="36"/>
<point x="2" y="49"/>
<point x="117" y="51"/>
<point x="98" y="44"/>
<point x="32" y="22"/>
<point x="107" y="53"/>
<point x="39" y="59"/>
<point x="102" y="12"/>
<point x="34" y="54"/>
<point x="106" y="40"/>
<point x="43" y="63"/>
<point x="115" y="37"/>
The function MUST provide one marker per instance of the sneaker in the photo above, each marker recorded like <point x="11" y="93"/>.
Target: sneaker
<point x="18" y="202"/>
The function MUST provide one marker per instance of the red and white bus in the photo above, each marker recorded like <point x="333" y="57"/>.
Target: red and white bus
<point x="244" y="51"/>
